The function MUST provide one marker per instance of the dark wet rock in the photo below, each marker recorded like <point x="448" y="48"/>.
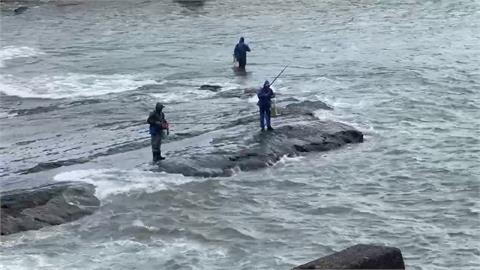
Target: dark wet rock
<point x="242" y="146"/>
<point x="191" y="4"/>
<point x="213" y="88"/>
<point x="53" y="204"/>
<point x="43" y="166"/>
<point x="20" y="10"/>
<point x="35" y="110"/>
<point x="237" y="93"/>
<point x="85" y="102"/>
<point x="116" y="149"/>
<point x="67" y="4"/>
<point x="360" y="257"/>
<point x="306" y="107"/>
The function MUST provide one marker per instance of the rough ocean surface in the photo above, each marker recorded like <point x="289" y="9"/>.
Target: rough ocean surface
<point x="78" y="79"/>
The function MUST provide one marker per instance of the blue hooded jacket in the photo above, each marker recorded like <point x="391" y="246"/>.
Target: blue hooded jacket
<point x="265" y="95"/>
<point x="157" y="121"/>
<point x="241" y="49"/>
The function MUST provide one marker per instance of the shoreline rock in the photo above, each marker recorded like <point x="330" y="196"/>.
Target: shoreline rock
<point x="52" y="204"/>
<point x="242" y="146"/>
<point x="359" y="257"/>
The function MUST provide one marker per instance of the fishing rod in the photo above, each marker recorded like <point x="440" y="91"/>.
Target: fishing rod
<point x="274" y="108"/>
<point x="278" y="75"/>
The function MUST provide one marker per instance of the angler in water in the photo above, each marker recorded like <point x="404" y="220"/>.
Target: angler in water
<point x="240" y="53"/>
<point x="265" y="95"/>
<point x="158" y="124"/>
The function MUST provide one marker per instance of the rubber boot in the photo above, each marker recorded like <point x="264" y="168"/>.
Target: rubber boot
<point x="160" y="156"/>
<point x="156" y="156"/>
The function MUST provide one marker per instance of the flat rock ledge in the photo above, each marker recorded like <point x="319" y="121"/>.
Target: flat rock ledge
<point x="53" y="204"/>
<point x="360" y="257"/>
<point x="242" y="146"/>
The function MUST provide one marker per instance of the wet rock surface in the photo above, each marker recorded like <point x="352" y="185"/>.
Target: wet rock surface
<point x="52" y="204"/>
<point x="213" y="88"/>
<point x="360" y="257"/>
<point x="244" y="147"/>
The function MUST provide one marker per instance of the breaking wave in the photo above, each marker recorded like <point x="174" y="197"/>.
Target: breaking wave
<point x="69" y="85"/>
<point x="110" y="182"/>
<point x="12" y="52"/>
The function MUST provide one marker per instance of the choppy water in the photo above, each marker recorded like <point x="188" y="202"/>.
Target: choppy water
<point x="79" y="78"/>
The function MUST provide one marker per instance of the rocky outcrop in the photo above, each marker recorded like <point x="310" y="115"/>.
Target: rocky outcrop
<point x="360" y="257"/>
<point x="244" y="147"/>
<point x="53" y="204"/>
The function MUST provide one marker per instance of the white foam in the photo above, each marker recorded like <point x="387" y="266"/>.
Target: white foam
<point x="174" y="97"/>
<point x="189" y="90"/>
<point x="69" y="85"/>
<point x="7" y="115"/>
<point x="253" y="99"/>
<point x="12" y="52"/>
<point x="349" y="120"/>
<point x="140" y="224"/>
<point x="286" y="159"/>
<point x="110" y="181"/>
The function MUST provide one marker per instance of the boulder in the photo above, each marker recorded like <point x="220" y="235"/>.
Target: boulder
<point x="52" y="204"/>
<point x="360" y="257"/>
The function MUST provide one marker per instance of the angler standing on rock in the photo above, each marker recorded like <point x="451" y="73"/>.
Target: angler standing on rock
<point x="240" y="53"/>
<point x="265" y="95"/>
<point x="158" y="124"/>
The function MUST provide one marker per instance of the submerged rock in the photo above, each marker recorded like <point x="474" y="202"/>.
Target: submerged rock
<point x="245" y="147"/>
<point x="360" y="257"/>
<point x="191" y="4"/>
<point x="213" y="88"/>
<point x="53" y="204"/>
<point x="20" y="10"/>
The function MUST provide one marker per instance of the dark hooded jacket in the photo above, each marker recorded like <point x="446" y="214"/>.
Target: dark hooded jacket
<point x="157" y="120"/>
<point x="241" y="49"/>
<point x="265" y="95"/>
